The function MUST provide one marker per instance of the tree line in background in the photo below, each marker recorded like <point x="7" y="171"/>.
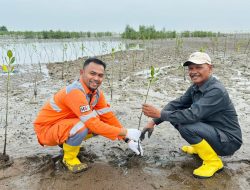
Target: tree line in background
<point x="144" y="33"/>
<point x="51" y="34"/>
<point x="149" y="32"/>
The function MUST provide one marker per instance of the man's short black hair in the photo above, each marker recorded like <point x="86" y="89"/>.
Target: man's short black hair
<point x="95" y="60"/>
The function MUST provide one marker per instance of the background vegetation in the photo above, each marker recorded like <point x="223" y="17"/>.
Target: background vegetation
<point x="149" y="32"/>
<point x="51" y="34"/>
<point x="144" y="33"/>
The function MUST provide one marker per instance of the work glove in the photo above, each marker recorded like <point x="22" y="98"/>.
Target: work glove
<point x="136" y="147"/>
<point x="133" y="134"/>
<point x="146" y="130"/>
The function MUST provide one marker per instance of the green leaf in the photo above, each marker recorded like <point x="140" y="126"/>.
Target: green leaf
<point x="9" y="54"/>
<point x="152" y="71"/>
<point x="12" y="60"/>
<point x="5" y="68"/>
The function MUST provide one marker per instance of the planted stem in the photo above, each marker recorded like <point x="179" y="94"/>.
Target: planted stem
<point x="6" y="115"/>
<point x="149" y="84"/>
<point x="151" y="80"/>
<point x="247" y="46"/>
<point x="8" y="68"/>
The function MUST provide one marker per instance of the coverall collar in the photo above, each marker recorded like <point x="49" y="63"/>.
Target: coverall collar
<point x="86" y="89"/>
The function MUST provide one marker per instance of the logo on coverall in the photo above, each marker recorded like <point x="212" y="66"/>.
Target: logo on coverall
<point x="84" y="108"/>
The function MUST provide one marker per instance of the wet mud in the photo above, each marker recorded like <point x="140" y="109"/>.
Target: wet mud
<point x="111" y="164"/>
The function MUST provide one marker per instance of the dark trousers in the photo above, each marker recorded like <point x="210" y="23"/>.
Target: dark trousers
<point x="194" y="133"/>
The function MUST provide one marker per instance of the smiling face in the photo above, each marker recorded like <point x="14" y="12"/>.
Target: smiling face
<point x="92" y="75"/>
<point x="199" y="73"/>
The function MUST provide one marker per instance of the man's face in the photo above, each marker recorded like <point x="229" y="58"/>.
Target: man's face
<point x="199" y="74"/>
<point x="92" y="75"/>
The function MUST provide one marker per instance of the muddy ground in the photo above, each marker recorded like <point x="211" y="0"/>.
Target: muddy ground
<point x="112" y="164"/>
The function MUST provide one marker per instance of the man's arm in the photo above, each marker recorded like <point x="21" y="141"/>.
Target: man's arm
<point x="180" y="103"/>
<point x="210" y="103"/>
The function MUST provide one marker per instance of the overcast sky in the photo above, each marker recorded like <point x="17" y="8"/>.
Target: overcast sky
<point x="114" y="15"/>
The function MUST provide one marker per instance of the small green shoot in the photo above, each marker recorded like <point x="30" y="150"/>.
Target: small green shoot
<point x="7" y="68"/>
<point x="151" y="80"/>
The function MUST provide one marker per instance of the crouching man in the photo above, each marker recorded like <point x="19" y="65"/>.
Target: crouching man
<point x="78" y="111"/>
<point x="204" y="116"/>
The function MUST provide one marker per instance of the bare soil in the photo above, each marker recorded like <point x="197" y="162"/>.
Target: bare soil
<point x="112" y="164"/>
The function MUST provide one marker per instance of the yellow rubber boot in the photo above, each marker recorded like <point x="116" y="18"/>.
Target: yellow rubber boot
<point x="189" y="149"/>
<point x="211" y="162"/>
<point x="70" y="159"/>
<point x="88" y="136"/>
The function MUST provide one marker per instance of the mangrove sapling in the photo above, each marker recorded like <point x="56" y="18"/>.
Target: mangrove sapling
<point x="235" y="42"/>
<point x="151" y="51"/>
<point x="34" y="99"/>
<point x="144" y="51"/>
<point x="247" y="46"/>
<point x="120" y="62"/>
<point x="31" y="55"/>
<point x="151" y="80"/>
<point x="237" y="45"/>
<point x="104" y="47"/>
<point x="82" y="48"/>
<point x="7" y="68"/>
<point x="24" y="52"/>
<point x="202" y="49"/>
<point x="246" y="63"/>
<point x="178" y="46"/>
<point x="65" y="47"/>
<point x="38" y="56"/>
<point x="225" y="49"/>
<point x="74" y="45"/>
<point x="134" y="54"/>
<point x="45" y="50"/>
<point x="111" y="80"/>
<point x="182" y="70"/>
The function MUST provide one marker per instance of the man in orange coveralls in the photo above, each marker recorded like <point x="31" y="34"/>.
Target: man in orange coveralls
<point x="78" y="111"/>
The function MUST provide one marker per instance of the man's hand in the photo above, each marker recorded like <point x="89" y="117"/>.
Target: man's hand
<point x="151" y="111"/>
<point x="136" y="147"/>
<point x="148" y="129"/>
<point x="133" y="134"/>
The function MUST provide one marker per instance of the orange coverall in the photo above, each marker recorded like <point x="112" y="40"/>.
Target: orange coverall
<point x="73" y="109"/>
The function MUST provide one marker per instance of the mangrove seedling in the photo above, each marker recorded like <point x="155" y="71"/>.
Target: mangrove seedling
<point x="151" y="80"/>
<point x="178" y="46"/>
<point x="82" y="48"/>
<point x="202" y="49"/>
<point x="7" y="68"/>
<point x="112" y="73"/>
<point x="65" y="47"/>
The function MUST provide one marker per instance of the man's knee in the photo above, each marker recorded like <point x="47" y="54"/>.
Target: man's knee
<point x="187" y="129"/>
<point x="77" y="138"/>
<point x="190" y="133"/>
